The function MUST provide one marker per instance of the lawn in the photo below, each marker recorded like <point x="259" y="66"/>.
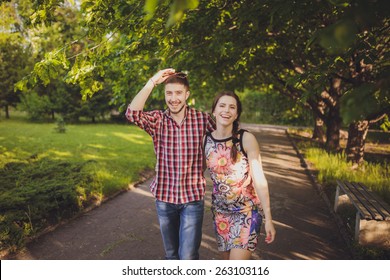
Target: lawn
<point x="374" y="172"/>
<point x="46" y="176"/>
<point x="120" y="152"/>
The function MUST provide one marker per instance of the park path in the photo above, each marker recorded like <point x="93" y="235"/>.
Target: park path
<point x="126" y="227"/>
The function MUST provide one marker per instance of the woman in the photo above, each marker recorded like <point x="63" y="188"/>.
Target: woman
<point x="240" y="195"/>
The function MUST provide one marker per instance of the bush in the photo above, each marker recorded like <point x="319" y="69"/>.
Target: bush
<point x="38" y="107"/>
<point x="60" y="128"/>
<point x="40" y="193"/>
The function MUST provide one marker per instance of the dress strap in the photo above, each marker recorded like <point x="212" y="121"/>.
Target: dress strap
<point x="241" y="135"/>
<point x="207" y="134"/>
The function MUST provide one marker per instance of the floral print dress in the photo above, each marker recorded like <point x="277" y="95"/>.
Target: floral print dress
<point x="235" y="205"/>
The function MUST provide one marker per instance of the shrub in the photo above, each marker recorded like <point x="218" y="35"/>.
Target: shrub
<point x="60" y="128"/>
<point x="38" y="107"/>
<point x="39" y="193"/>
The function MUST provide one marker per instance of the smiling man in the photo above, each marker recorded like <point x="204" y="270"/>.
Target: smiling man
<point x="179" y="184"/>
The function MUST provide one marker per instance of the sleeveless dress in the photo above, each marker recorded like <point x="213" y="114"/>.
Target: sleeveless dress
<point x="236" y="208"/>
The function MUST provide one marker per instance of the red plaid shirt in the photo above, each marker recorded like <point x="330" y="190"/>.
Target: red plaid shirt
<point x="179" y="168"/>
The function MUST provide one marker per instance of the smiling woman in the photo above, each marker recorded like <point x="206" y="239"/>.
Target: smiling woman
<point x="240" y="194"/>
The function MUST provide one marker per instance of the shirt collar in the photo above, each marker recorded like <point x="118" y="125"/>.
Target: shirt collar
<point x="167" y="112"/>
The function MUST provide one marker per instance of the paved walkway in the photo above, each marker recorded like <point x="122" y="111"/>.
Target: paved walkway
<point x="126" y="227"/>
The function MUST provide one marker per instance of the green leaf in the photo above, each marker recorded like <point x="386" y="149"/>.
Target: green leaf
<point x="338" y="37"/>
<point x="150" y="8"/>
<point x="352" y="109"/>
<point x="339" y="3"/>
<point x="21" y="85"/>
<point x="178" y="8"/>
<point x="192" y="4"/>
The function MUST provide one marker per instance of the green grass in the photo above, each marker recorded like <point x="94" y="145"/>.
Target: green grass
<point x="330" y="167"/>
<point x="120" y="151"/>
<point x="46" y="176"/>
<point x="334" y="166"/>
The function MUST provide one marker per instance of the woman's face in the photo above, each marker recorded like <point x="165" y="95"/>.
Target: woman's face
<point x="225" y="111"/>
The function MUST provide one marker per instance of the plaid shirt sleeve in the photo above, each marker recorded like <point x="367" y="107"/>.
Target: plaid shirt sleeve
<point x="145" y="120"/>
<point x="211" y="126"/>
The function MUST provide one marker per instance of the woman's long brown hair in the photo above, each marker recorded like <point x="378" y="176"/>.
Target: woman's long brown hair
<point x="236" y="123"/>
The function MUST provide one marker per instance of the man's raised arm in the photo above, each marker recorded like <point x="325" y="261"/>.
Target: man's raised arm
<point x="138" y="103"/>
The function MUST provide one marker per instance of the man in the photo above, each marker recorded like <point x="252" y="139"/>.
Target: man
<point x="179" y="184"/>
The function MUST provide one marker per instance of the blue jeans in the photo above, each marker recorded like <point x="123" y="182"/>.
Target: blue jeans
<point x="181" y="229"/>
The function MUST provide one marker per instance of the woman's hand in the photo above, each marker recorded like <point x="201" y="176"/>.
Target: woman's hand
<point x="269" y="231"/>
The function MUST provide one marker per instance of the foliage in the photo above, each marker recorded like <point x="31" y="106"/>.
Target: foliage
<point x="311" y="52"/>
<point x="332" y="167"/>
<point x="55" y="47"/>
<point x="271" y="108"/>
<point x="13" y="62"/>
<point x="46" y="176"/>
<point x="60" y="128"/>
<point x="303" y="45"/>
<point x="38" y="193"/>
<point x="38" y="107"/>
<point x="385" y="123"/>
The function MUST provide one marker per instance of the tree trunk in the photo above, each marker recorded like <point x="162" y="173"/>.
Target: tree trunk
<point x="6" y="108"/>
<point x="333" y="119"/>
<point x="319" y="132"/>
<point x="333" y="125"/>
<point x="357" y="133"/>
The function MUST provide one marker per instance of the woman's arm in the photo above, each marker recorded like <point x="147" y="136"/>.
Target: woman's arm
<point x="251" y="147"/>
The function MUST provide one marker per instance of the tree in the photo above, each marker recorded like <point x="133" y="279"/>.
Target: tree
<point x="360" y="40"/>
<point x="13" y="62"/>
<point x="304" y="49"/>
<point x="14" y="58"/>
<point x="55" y="48"/>
<point x="235" y="44"/>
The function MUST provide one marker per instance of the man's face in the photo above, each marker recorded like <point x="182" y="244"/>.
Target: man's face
<point x="175" y="97"/>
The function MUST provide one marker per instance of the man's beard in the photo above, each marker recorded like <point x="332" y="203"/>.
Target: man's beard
<point x="178" y="111"/>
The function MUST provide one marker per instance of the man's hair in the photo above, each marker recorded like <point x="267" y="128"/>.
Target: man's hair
<point x="178" y="78"/>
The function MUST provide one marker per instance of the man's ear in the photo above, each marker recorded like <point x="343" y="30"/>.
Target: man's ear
<point x="187" y="94"/>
